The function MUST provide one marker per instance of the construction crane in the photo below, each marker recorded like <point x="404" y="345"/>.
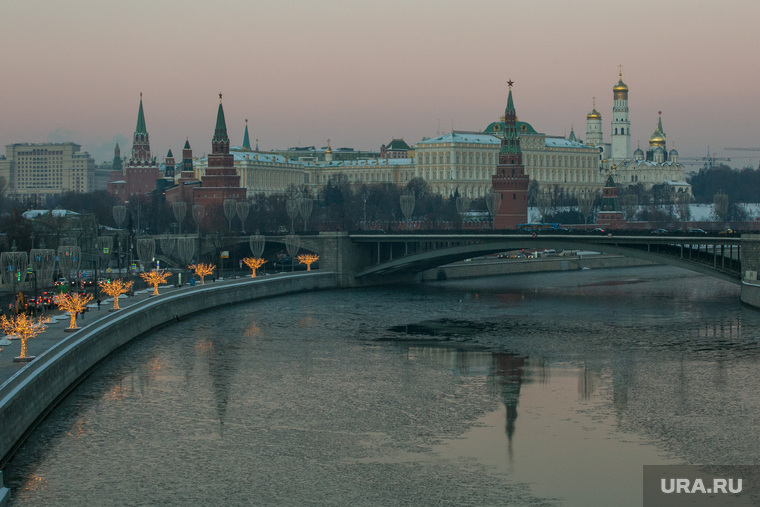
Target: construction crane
<point x="706" y="162"/>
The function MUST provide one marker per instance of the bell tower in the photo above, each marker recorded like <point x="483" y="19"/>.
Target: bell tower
<point x="621" y="125"/>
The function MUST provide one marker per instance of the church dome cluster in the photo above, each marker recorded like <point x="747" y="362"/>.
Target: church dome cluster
<point x="653" y="165"/>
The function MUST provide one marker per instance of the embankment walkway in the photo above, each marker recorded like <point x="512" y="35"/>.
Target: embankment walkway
<point x="29" y="390"/>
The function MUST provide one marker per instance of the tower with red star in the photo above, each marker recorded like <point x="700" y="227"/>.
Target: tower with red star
<point x="510" y="181"/>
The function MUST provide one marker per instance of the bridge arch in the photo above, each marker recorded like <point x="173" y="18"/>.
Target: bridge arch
<point x="424" y="259"/>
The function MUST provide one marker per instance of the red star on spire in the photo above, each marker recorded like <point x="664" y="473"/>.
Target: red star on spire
<point x="220" y="97"/>
<point x="510" y="83"/>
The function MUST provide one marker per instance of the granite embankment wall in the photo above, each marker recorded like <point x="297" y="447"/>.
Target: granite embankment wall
<point x="494" y="267"/>
<point x="31" y="392"/>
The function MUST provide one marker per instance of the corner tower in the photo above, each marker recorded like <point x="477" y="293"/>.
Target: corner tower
<point x="510" y="181"/>
<point x="621" y="125"/>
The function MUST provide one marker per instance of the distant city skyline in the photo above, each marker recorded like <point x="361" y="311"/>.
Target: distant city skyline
<point x="362" y="73"/>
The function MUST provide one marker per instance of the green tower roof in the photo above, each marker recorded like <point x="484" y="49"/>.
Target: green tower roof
<point x="140" y="120"/>
<point x="220" y="132"/>
<point x="510" y="103"/>
<point x="510" y="143"/>
<point x="246" y="140"/>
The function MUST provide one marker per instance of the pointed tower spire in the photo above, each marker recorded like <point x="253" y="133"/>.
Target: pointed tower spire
<point x="140" y="129"/>
<point x="510" y="143"/>
<point x="659" y="123"/>
<point x="140" y="141"/>
<point x="220" y="132"/>
<point x="510" y="103"/>
<point x="246" y="140"/>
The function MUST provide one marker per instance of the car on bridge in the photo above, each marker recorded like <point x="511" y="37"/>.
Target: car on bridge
<point x="660" y="232"/>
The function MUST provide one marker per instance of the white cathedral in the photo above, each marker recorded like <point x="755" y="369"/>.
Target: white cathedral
<point x="656" y="166"/>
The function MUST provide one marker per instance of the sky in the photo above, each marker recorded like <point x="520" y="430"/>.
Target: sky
<point x="361" y="73"/>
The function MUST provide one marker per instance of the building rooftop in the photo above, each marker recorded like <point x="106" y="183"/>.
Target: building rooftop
<point x="561" y="142"/>
<point x="461" y="137"/>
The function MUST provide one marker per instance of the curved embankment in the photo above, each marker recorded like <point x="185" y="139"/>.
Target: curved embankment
<point x="28" y="394"/>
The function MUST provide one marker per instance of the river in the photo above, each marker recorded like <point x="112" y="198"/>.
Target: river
<point x="546" y="389"/>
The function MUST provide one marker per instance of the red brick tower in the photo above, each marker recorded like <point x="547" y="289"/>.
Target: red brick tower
<point x="510" y="180"/>
<point x="139" y="175"/>
<point x="221" y="180"/>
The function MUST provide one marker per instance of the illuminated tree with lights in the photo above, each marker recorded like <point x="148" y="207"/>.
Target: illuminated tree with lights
<point x="202" y="270"/>
<point x="155" y="278"/>
<point x="25" y="327"/>
<point x="74" y="304"/>
<point x="254" y="263"/>
<point x="115" y="288"/>
<point x="308" y="259"/>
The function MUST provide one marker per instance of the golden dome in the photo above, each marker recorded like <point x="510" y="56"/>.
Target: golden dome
<point x="657" y="139"/>
<point x="594" y="115"/>
<point x="620" y="86"/>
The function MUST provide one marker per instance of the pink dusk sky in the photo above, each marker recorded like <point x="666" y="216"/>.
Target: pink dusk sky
<point x="361" y="73"/>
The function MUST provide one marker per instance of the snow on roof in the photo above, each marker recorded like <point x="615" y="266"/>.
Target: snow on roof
<point x="560" y="142"/>
<point x="240" y="154"/>
<point x="456" y="137"/>
<point x="373" y="162"/>
<point x="58" y="213"/>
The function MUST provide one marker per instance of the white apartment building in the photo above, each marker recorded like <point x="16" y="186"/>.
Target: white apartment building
<point x="39" y="172"/>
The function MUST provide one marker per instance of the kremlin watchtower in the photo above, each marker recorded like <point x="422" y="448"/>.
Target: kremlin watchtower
<point x="139" y="175"/>
<point x="221" y="180"/>
<point x="510" y="180"/>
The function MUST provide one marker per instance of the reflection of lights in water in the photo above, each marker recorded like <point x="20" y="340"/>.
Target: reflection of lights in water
<point x="77" y="430"/>
<point x="156" y="364"/>
<point x="253" y="330"/>
<point x="307" y="322"/>
<point x="203" y="347"/>
<point x="35" y="483"/>
<point x="117" y="393"/>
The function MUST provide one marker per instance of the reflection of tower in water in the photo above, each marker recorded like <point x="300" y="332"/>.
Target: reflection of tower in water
<point x="509" y="376"/>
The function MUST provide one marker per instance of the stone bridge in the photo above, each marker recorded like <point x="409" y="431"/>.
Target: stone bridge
<point x="370" y="259"/>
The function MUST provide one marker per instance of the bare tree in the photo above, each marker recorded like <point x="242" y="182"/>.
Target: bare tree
<point x="585" y="204"/>
<point x="543" y="203"/>
<point x="630" y="206"/>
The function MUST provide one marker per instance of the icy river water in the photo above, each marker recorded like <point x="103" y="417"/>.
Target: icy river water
<point x="546" y="389"/>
